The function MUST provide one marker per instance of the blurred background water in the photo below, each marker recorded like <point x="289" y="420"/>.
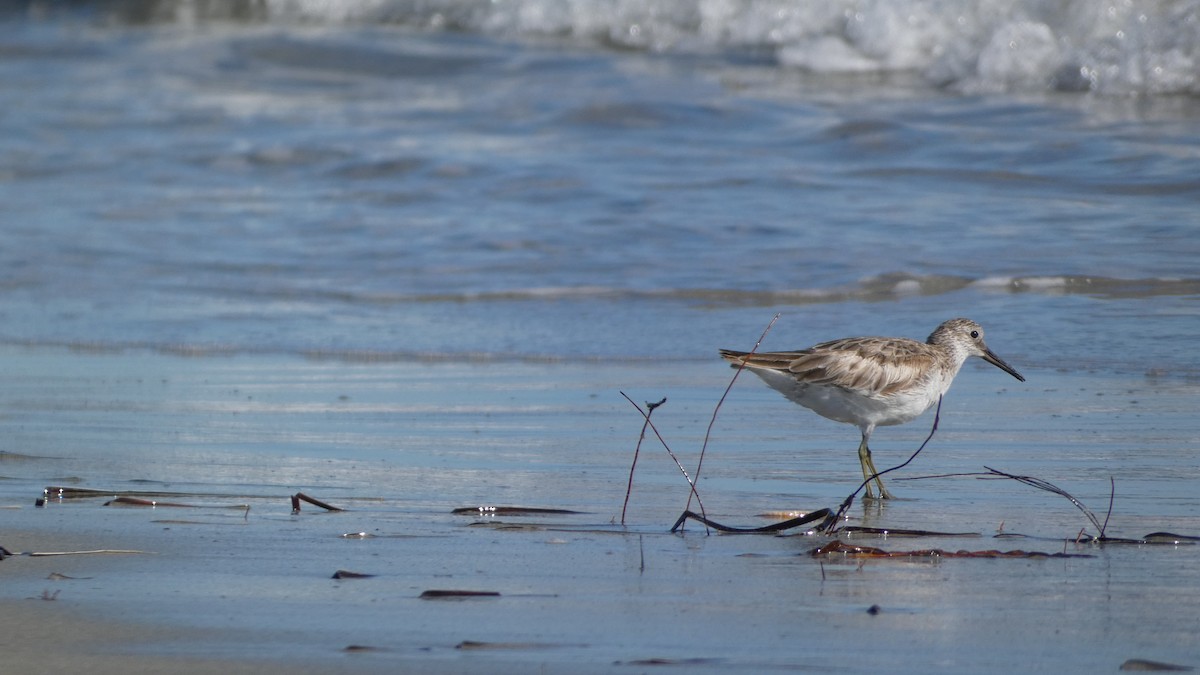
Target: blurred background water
<point x="601" y="179"/>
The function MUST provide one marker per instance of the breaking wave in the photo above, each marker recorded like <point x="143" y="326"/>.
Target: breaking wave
<point x="1147" y="47"/>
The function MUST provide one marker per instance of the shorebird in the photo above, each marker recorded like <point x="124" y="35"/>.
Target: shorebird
<point x="872" y="381"/>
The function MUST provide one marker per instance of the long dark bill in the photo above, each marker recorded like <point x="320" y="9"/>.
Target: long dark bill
<point x="999" y="363"/>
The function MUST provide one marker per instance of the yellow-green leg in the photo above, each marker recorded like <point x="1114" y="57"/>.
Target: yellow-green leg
<point x="870" y="473"/>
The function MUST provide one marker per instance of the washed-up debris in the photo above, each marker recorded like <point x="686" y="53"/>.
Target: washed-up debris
<point x="441" y="594"/>
<point x="1168" y="538"/>
<point x="134" y="501"/>
<point x="347" y="574"/>
<point x="301" y="497"/>
<point x="153" y="503"/>
<point x="142" y="498"/>
<point x="658" y="661"/>
<point x="65" y="493"/>
<point x="1153" y="666"/>
<point x="478" y="645"/>
<point x="838" y="548"/>
<point x="99" y="551"/>
<point x="58" y="492"/>
<point x="818" y="515"/>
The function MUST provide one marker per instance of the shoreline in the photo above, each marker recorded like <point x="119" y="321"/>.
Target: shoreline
<point x="401" y="444"/>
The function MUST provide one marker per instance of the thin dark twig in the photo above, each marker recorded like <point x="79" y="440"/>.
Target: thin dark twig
<point x="636" y="451"/>
<point x="1051" y="487"/>
<point x="691" y="483"/>
<point x="828" y="525"/>
<point x="717" y="408"/>
<point x="1112" y="494"/>
<point x="965" y="474"/>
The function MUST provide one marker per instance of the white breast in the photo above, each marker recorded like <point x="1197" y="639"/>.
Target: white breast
<point x="843" y="405"/>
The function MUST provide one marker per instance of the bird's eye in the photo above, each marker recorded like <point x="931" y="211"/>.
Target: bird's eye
<point x="974" y="335"/>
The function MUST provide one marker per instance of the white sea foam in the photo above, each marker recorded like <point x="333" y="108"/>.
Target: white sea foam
<point x="1118" y="47"/>
<point x="1042" y="283"/>
<point x="993" y="282"/>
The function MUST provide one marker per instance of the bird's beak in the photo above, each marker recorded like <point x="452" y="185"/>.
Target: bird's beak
<point x="999" y="363"/>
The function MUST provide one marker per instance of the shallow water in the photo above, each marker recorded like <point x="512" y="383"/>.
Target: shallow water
<point x="407" y="269"/>
<point x="580" y="592"/>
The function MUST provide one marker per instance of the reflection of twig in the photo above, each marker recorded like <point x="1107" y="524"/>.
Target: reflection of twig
<point x="636" y="451"/>
<point x="717" y="408"/>
<point x="829" y="525"/>
<point x="646" y="415"/>
<point x="1051" y="487"/>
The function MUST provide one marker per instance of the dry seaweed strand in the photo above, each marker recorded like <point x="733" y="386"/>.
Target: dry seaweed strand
<point x="301" y="497"/>
<point x="1051" y="487"/>
<point x="636" y="451"/>
<point x="691" y="483"/>
<point x="1152" y="666"/>
<point x="61" y="493"/>
<point x="151" y="503"/>
<point x="348" y="574"/>
<point x="1168" y="538"/>
<point x="100" y="551"/>
<point x="440" y="594"/>
<point x="839" y="548"/>
<point x="800" y="521"/>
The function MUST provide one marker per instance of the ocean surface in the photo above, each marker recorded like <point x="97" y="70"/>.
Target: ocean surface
<point x="348" y="178"/>
<point x="407" y="255"/>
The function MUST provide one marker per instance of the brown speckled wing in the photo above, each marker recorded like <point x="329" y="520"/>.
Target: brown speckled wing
<point x="868" y="366"/>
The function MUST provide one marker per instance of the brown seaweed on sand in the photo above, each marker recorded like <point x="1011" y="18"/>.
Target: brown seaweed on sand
<point x="100" y="551"/>
<point x="800" y="521"/>
<point x="347" y="574"/>
<point x="301" y="497"/>
<point x="152" y="503"/>
<point x="352" y="649"/>
<point x="837" y="548"/>
<point x="63" y="493"/>
<point x="480" y="645"/>
<point x="1146" y="665"/>
<point x="449" y="594"/>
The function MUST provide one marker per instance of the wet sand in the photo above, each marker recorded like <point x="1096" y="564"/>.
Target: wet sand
<point x="400" y="445"/>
